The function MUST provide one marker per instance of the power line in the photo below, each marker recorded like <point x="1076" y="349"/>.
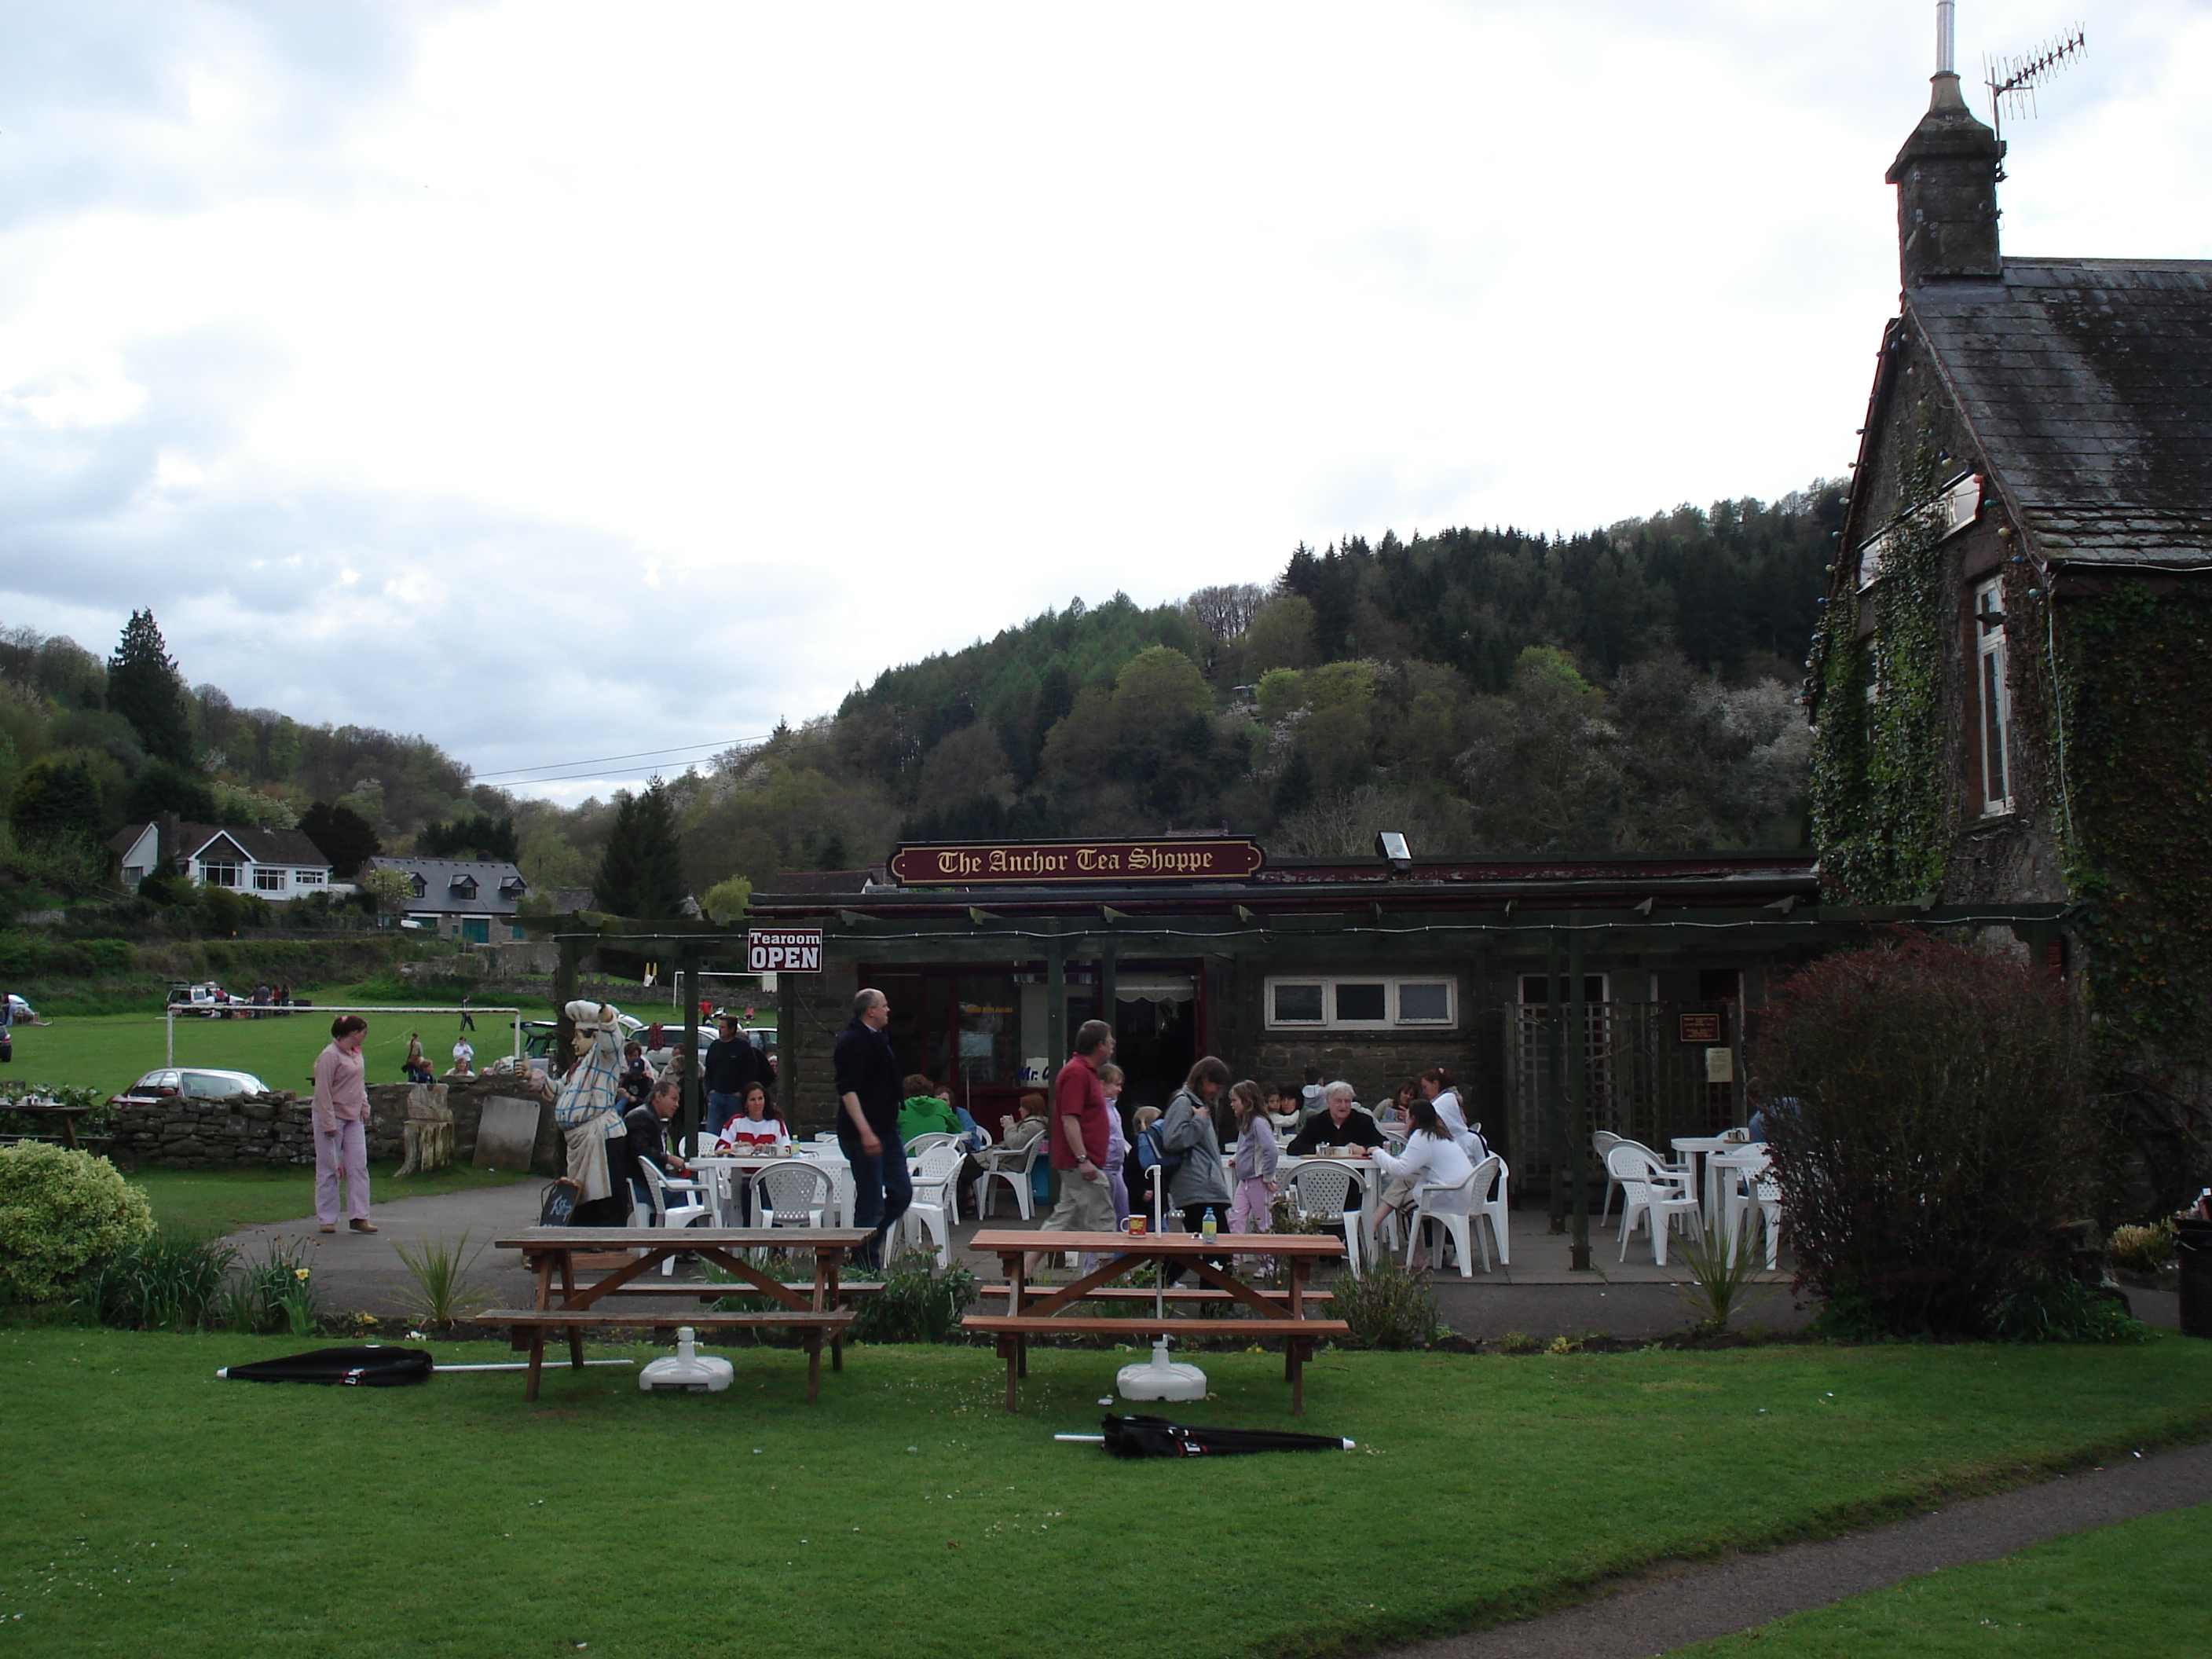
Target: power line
<point x="642" y="754"/>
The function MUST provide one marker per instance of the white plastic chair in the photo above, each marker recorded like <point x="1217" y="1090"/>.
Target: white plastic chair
<point x="1452" y="1208"/>
<point x="922" y="1142"/>
<point x="1013" y="1166"/>
<point x="1603" y="1141"/>
<point x="791" y="1194"/>
<point x="935" y="1207"/>
<point x="1648" y="1196"/>
<point x="1333" y="1194"/>
<point x="1754" y="1188"/>
<point x="658" y="1212"/>
<point x="1491" y="1203"/>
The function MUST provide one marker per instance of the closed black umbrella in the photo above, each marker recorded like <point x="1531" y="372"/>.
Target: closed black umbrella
<point x="370" y="1367"/>
<point x="1156" y="1436"/>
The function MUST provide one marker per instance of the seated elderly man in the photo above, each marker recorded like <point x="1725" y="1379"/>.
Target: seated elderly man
<point x="1339" y="1122"/>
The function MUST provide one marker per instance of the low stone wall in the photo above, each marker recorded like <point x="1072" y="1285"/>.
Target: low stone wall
<point x="190" y="1133"/>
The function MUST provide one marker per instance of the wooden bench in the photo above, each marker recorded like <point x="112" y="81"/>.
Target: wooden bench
<point x="550" y="1252"/>
<point x="1050" y="1311"/>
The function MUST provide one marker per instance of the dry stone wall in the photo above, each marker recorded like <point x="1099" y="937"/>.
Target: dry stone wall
<point x="278" y="1127"/>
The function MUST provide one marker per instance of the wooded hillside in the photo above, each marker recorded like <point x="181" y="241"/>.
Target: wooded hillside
<point x="1480" y="689"/>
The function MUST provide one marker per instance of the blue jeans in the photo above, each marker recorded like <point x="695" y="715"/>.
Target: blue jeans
<point x="883" y="1187"/>
<point x="720" y="1109"/>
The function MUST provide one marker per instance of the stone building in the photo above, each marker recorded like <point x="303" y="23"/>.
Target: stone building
<point x="2010" y="688"/>
<point x="1370" y="969"/>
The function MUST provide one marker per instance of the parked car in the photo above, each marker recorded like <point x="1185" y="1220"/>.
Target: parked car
<point x="207" y="998"/>
<point x="201" y="1084"/>
<point x="7" y="1045"/>
<point x="19" y="1012"/>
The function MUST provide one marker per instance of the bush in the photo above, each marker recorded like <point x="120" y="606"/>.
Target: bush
<point x="61" y="1214"/>
<point x="2053" y="1308"/>
<point x="2141" y="1250"/>
<point x="917" y="1304"/>
<point x="1386" y="1307"/>
<point x="169" y="1282"/>
<point x="1940" y="1134"/>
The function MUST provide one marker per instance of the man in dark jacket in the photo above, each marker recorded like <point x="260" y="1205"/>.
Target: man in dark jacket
<point x="867" y="1123"/>
<point x="732" y="1065"/>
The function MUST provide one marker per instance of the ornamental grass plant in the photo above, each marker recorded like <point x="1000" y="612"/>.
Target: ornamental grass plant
<point x="1939" y="1135"/>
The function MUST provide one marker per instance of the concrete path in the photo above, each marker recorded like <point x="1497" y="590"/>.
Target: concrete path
<point x="1699" y="1603"/>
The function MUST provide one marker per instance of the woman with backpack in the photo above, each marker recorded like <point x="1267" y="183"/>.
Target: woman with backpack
<point x="1197" y="1185"/>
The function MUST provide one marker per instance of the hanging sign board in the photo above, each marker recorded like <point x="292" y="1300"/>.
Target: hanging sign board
<point x="992" y="864"/>
<point x="1700" y="1027"/>
<point x="784" y="951"/>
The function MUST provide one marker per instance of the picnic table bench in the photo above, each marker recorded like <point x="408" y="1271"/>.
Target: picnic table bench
<point x="1035" y="1310"/>
<point x="551" y="1252"/>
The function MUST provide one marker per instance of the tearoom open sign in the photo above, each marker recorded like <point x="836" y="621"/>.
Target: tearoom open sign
<point x="785" y="951"/>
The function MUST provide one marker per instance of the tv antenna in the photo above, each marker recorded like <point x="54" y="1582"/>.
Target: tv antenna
<point x="2013" y="80"/>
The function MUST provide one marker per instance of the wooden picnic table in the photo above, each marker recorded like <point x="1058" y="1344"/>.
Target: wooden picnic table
<point x="66" y="1115"/>
<point x="551" y="1251"/>
<point x="1035" y="1311"/>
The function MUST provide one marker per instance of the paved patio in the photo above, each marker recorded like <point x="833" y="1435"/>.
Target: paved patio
<point x="1537" y="1295"/>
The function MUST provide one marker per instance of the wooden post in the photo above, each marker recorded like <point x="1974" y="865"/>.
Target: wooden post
<point x="686" y="963"/>
<point x="1579" y="1100"/>
<point x="787" y="1049"/>
<point x="1055" y="1002"/>
<point x="1108" y="984"/>
<point x="1555" y="1113"/>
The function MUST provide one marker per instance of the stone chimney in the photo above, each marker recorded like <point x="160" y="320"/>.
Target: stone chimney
<point x="1946" y="189"/>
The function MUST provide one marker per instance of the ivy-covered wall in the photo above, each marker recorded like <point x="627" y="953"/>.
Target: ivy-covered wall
<point x="2136" y="670"/>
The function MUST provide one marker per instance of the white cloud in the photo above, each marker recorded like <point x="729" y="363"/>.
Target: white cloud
<point x="661" y="372"/>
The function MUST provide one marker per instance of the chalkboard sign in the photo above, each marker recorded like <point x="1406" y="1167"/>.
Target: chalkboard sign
<point x="558" y="1202"/>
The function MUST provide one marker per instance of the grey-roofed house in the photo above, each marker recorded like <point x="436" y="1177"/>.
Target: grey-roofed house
<point x="2009" y="687"/>
<point x="472" y="900"/>
<point x="277" y="865"/>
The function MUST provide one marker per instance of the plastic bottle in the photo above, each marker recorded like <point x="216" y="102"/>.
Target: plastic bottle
<point x="1207" y="1230"/>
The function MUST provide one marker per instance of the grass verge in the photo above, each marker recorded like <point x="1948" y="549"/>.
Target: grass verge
<point x="220" y="1200"/>
<point x="2139" y="1587"/>
<point x="159" y="1510"/>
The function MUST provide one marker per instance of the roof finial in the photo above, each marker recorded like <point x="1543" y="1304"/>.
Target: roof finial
<point x="1947" y="12"/>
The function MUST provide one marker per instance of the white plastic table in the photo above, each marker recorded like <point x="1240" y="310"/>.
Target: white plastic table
<point x="1743" y="1156"/>
<point x="735" y="1167"/>
<point x="1699" y="1150"/>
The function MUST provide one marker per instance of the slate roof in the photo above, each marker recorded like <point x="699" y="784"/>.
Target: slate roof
<point x="2089" y="385"/>
<point x="437" y="876"/>
<point x="289" y="847"/>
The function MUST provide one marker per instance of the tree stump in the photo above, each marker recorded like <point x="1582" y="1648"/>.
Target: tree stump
<point x="426" y="1137"/>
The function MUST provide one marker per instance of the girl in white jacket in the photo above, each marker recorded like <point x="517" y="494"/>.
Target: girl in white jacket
<point x="1432" y="1158"/>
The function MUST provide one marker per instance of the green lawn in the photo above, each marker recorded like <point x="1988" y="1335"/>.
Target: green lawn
<point x="155" y="1510"/>
<point x="2141" y="1588"/>
<point x="110" y="1052"/>
<point x="221" y="1201"/>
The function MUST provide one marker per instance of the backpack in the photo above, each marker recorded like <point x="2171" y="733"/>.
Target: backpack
<point x="1171" y="1163"/>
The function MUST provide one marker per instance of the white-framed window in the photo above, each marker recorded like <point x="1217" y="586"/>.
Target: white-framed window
<point x="266" y="880"/>
<point x="1994" y="696"/>
<point x="133" y="874"/>
<point x="1596" y="987"/>
<point x="306" y="878"/>
<point x="1360" y="1002"/>
<point x="219" y="874"/>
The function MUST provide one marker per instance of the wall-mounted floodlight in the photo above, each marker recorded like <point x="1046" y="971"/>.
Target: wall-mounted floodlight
<point x="1391" y="845"/>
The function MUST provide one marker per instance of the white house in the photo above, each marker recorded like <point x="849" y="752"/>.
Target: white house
<point x="277" y="865"/>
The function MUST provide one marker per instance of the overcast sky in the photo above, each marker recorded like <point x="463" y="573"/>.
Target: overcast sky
<point x="568" y="380"/>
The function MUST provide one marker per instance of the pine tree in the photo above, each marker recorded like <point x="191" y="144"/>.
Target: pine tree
<point x="342" y="835"/>
<point x="641" y="873"/>
<point x="144" y="687"/>
<point x="56" y="801"/>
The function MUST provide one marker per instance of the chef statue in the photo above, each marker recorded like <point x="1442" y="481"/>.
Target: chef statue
<point x="589" y="1111"/>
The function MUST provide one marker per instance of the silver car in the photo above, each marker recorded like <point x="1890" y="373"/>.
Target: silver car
<point x="172" y="1081"/>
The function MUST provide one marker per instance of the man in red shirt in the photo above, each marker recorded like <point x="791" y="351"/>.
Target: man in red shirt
<point x="1079" y="1138"/>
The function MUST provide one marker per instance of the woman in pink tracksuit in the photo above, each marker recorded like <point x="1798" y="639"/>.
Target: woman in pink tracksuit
<point x="342" y="1125"/>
